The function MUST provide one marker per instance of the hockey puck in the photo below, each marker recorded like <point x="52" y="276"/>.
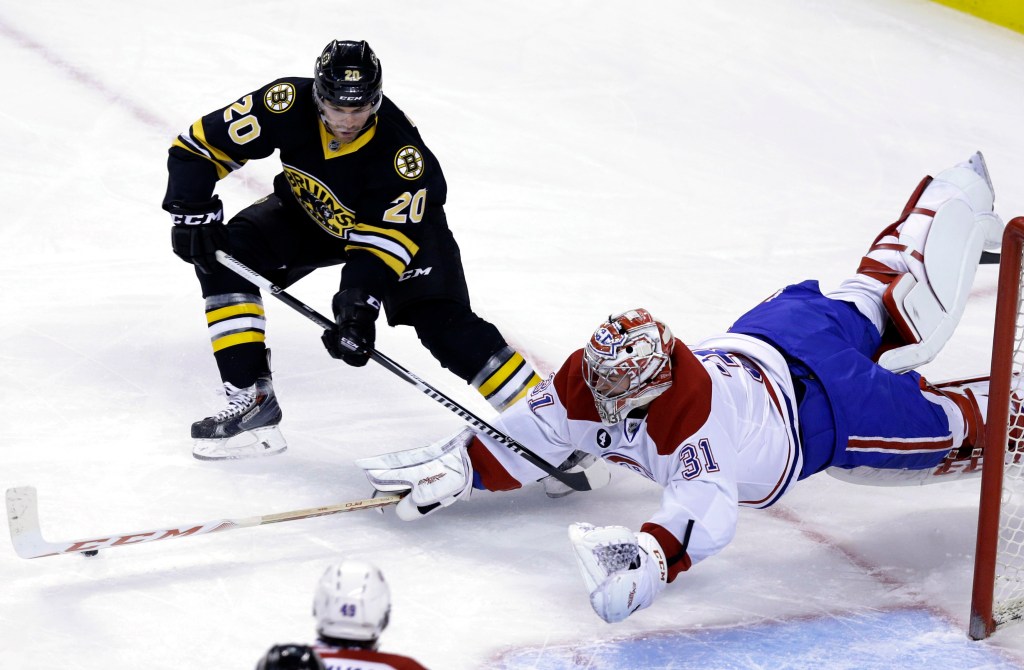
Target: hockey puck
<point x="91" y="552"/>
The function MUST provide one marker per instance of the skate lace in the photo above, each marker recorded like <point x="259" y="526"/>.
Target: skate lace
<point x="239" y="400"/>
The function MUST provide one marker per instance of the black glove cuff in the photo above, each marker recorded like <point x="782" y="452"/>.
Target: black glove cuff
<point x="355" y="305"/>
<point x="206" y="213"/>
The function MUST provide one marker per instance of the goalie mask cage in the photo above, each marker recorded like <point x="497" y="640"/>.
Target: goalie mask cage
<point x="998" y="593"/>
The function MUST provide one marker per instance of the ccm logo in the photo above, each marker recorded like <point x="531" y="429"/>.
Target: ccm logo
<point x="99" y="543"/>
<point x="412" y="274"/>
<point x="197" y="219"/>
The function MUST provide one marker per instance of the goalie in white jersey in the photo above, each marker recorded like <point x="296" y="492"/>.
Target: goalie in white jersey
<point x="791" y="390"/>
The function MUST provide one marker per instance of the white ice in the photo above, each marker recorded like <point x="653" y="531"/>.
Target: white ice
<point x="687" y="157"/>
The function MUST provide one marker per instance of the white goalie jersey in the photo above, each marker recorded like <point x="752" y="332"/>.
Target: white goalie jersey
<point x="723" y="435"/>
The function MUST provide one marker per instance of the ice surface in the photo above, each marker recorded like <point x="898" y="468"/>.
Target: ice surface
<point x="686" y="157"/>
<point x="905" y="639"/>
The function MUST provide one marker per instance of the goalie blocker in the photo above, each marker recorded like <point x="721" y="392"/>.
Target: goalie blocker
<point x="441" y="473"/>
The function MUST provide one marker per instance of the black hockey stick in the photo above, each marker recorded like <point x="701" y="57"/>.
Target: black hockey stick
<point x="574" y="480"/>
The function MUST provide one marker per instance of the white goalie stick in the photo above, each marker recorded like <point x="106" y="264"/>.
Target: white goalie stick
<point x="27" y="537"/>
<point x="577" y="481"/>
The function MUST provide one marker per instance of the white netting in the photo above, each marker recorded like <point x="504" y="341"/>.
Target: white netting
<point x="1008" y="597"/>
<point x="616" y="557"/>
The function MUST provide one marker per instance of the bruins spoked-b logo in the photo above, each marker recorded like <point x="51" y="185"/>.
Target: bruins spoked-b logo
<point x="409" y="162"/>
<point x="321" y="205"/>
<point x="279" y="97"/>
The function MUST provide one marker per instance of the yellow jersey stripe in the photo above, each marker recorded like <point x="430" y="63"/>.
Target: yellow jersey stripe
<point x="221" y="170"/>
<point x="200" y="134"/>
<point x="182" y="145"/>
<point x="391" y="233"/>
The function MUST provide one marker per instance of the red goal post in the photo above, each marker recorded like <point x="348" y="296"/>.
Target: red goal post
<point x="998" y="594"/>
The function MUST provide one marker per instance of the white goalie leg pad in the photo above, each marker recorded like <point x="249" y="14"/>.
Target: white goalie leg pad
<point x="939" y="258"/>
<point x="971" y="183"/>
<point x="623" y="572"/>
<point x="595" y="469"/>
<point x="435" y="476"/>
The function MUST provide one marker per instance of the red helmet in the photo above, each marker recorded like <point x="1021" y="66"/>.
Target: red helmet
<point x="627" y="363"/>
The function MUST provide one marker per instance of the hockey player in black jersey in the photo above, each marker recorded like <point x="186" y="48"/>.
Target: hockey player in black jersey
<point x="358" y="187"/>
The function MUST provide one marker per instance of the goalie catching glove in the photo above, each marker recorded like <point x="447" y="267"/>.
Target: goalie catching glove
<point x="435" y="476"/>
<point x="624" y="572"/>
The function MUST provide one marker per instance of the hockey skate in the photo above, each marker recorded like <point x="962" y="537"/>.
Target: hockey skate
<point x="246" y="428"/>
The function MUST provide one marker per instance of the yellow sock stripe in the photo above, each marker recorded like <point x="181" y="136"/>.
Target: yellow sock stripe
<point x="501" y="375"/>
<point x="239" y="309"/>
<point x="238" y="338"/>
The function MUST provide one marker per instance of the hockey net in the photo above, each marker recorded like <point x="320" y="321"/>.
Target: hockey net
<point x="998" y="594"/>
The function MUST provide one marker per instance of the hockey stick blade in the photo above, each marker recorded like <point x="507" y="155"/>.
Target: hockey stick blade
<point x="27" y="536"/>
<point x="578" y="481"/>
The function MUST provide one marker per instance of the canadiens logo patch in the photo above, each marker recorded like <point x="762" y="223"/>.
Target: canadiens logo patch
<point x="627" y="462"/>
<point x="279" y="97"/>
<point x="605" y="343"/>
<point x="318" y="201"/>
<point x="409" y="162"/>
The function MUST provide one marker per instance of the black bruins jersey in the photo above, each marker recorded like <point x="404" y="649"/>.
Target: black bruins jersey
<point x="371" y="194"/>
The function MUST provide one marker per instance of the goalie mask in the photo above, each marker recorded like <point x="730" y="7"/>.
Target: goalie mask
<point x="626" y="363"/>
<point x="352" y="602"/>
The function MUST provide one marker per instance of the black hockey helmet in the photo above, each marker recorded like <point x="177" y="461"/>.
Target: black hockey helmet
<point x="348" y="74"/>
<point x="290" y="657"/>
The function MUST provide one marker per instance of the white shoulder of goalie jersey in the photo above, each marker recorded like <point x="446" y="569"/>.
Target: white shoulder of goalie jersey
<point x="767" y="357"/>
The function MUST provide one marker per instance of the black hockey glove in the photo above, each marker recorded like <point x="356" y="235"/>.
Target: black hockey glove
<point x="351" y="340"/>
<point x="198" y="232"/>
